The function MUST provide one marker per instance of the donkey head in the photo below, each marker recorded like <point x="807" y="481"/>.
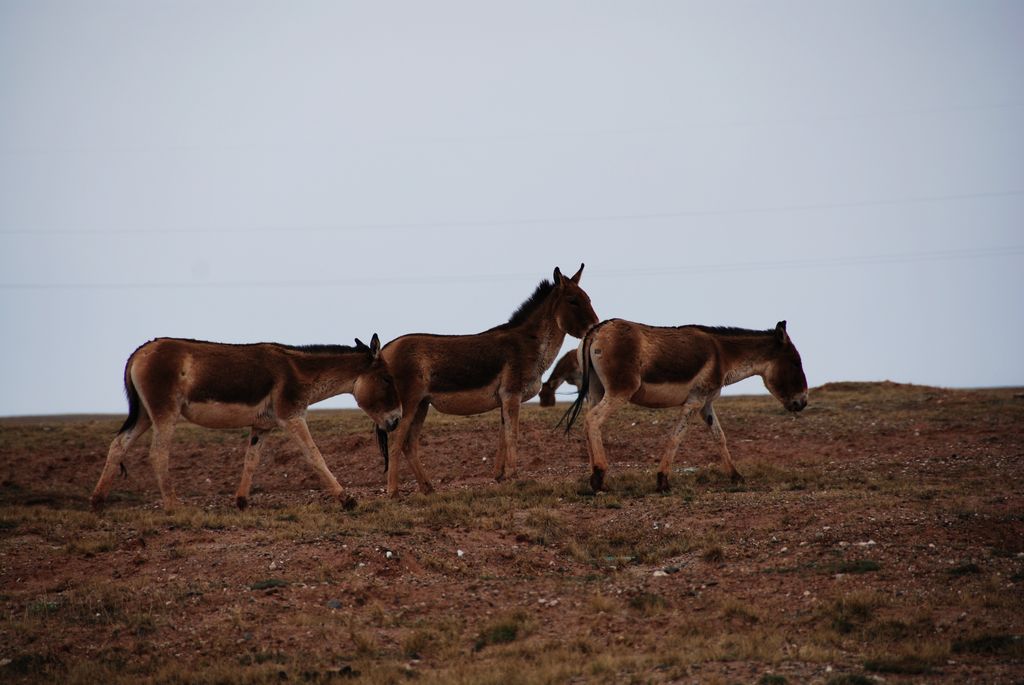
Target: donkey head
<point x="784" y="376"/>
<point x="547" y="395"/>
<point x="572" y="305"/>
<point x="374" y="389"/>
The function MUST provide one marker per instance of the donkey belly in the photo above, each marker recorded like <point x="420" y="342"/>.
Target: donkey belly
<point x="228" y="415"/>
<point x="661" y="395"/>
<point x="466" y="402"/>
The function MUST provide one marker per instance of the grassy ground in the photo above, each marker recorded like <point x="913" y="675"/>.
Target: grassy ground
<point x="877" y="538"/>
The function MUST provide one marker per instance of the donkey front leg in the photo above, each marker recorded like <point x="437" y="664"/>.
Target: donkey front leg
<point x="119" y="447"/>
<point x="396" y="447"/>
<point x="297" y="428"/>
<point x="674" y="439"/>
<point x="252" y="460"/>
<point x="711" y="419"/>
<point x="412" y="447"/>
<point x="499" y="456"/>
<point x="592" y="422"/>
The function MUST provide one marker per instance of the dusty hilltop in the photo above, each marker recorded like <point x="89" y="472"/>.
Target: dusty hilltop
<point x="878" y="537"/>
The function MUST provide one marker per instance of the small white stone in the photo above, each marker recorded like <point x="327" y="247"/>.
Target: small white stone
<point x="273" y="565"/>
<point x="459" y="552"/>
<point x="389" y="554"/>
<point x="659" y="573"/>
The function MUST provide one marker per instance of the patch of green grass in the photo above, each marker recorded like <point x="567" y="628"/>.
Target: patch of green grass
<point x="856" y="566"/>
<point x="43" y="607"/>
<point x="268" y="584"/>
<point x="741" y="611"/>
<point x="851" y="679"/>
<point x="502" y="631"/>
<point x="990" y="643"/>
<point x="543" y="527"/>
<point x="627" y="540"/>
<point x="903" y="665"/>
<point x="964" y="570"/>
<point x="772" y="679"/>
<point x="850" y="612"/>
<point x="647" y="603"/>
<point x="713" y="554"/>
<point x="33" y="664"/>
<point x="91" y="544"/>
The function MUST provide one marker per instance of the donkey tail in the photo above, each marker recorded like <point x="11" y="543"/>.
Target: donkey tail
<point x="134" y="401"/>
<point x="573" y="412"/>
<point x="382" y="444"/>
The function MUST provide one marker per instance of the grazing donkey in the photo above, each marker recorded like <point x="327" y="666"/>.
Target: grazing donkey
<point x="685" y="366"/>
<point x="262" y="386"/>
<point x="472" y="374"/>
<point x="567" y="370"/>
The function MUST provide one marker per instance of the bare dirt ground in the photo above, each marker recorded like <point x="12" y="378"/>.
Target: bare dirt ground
<point x="879" y="537"/>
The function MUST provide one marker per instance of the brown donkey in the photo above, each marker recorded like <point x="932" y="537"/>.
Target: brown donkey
<point x="472" y="374"/>
<point x="679" y="367"/>
<point x="567" y="370"/>
<point x="262" y="386"/>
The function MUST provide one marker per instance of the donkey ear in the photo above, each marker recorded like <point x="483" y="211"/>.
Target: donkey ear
<point x="576" y="277"/>
<point x="375" y="346"/>
<point x="360" y="344"/>
<point x="780" y="332"/>
<point x="558" y="276"/>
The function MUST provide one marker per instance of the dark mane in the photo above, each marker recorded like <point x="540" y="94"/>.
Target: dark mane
<point x="311" y="349"/>
<point x="729" y="330"/>
<point x="322" y="349"/>
<point x="520" y="315"/>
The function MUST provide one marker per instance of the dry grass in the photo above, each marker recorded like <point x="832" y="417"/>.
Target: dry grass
<point x="853" y="545"/>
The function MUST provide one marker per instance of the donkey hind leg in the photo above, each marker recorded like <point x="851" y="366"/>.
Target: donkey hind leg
<point x="711" y="419"/>
<point x="412" y="447"/>
<point x="297" y="428"/>
<point x="252" y="460"/>
<point x="159" y="456"/>
<point x="506" y="467"/>
<point x="119" y="447"/>
<point x="592" y="423"/>
<point x="675" y="437"/>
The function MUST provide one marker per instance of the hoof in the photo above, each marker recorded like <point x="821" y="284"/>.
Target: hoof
<point x="736" y="477"/>
<point x="241" y="502"/>
<point x="663" y="485"/>
<point x="499" y="477"/>
<point x="597" y="480"/>
<point x="97" y="503"/>
<point x="427" y="489"/>
<point x="348" y="502"/>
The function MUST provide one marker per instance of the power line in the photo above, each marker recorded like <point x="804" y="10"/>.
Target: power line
<point x="532" y="221"/>
<point x="527" y="134"/>
<point x="593" y="274"/>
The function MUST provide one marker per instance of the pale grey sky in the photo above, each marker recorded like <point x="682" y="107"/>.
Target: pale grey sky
<point x="315" y="171"/>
